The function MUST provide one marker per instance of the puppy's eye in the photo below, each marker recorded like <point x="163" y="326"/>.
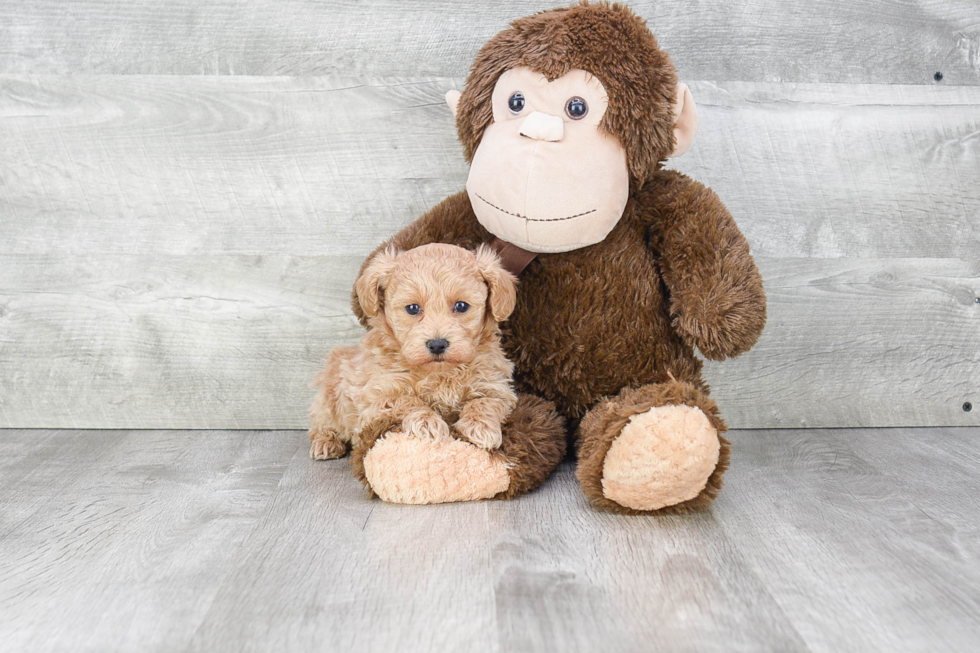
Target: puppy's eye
<point x="576" y="108"/>
<point x="461" y="307"/>
<point x="413" y="309"/>
<point x="516" y="102"/>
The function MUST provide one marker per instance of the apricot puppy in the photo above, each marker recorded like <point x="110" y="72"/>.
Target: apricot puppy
<point x="431" y="358"/>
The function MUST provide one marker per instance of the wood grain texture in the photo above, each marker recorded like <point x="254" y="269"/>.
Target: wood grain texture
<point x="862" y="519"/>
<point x="181" y="165"/>
<point x="605" y="582"/>
<point x="753" y="40"/>
<point x="843" y="171"/>
<point x="169" y="342"/>
<point x="332" y="165"/>
<point x="233" y="341"/>
<point x="824" y="540"/>
<point x="127" y="536"/>
<point x="328" y="569"/>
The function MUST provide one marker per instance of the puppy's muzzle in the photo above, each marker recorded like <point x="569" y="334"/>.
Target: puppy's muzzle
<point x="437" y="347"/>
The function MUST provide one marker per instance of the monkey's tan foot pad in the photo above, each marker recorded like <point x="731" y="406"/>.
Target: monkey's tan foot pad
<point x="405" y="469"/>
<point x="325" y="445"/>
<point x="661" y="458"/>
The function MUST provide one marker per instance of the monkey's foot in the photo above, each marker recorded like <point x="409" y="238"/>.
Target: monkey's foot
<point x="661" y="458"/>
<point x="655" y="448"/>
<point x="400" y="468"/>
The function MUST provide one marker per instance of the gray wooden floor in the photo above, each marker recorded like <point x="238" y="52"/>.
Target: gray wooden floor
<point x="825" y="540"/>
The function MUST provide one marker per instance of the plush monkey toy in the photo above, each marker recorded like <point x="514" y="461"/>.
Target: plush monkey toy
<point x="625" y="268"/>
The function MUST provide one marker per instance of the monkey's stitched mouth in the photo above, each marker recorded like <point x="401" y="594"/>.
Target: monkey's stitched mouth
<point x="524" y="217"/>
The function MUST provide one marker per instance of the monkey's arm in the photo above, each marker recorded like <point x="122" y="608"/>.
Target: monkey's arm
<point x="716" y="295"/>
<point x="450" y="221"/>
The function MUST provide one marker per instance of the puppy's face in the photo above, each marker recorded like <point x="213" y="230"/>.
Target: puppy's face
<point x="436" y="312"/>
<point x="440" y="302"/>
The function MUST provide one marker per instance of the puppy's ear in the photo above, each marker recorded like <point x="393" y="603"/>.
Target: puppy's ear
<point x="502" y="284"/>
<point x="373" y="280"/>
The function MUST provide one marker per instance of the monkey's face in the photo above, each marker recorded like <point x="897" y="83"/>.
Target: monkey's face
<point x="545" y="176"/>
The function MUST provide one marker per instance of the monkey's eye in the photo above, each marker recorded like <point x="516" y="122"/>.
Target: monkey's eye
<point x="576" y="108"/>
<point x="413" y="309"/>
<point x="461" y="307"/>
<point x="516" y="102"/>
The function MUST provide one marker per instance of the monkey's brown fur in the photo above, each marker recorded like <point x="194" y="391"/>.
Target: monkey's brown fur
<point x="607" y="331"/>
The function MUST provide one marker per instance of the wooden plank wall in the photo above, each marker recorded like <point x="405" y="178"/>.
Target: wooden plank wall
<point x="188" y="188"/>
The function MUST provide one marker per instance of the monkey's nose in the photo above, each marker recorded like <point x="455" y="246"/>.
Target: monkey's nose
<point x="543" y="127"/>
<point x="437" y="346"/>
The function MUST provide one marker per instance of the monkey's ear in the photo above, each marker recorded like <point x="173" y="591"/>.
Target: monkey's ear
<point x="452" y="99"/>
<point x="685" y="120"/>
<point x="502" y="284"/>
<point x="373" y="280"/>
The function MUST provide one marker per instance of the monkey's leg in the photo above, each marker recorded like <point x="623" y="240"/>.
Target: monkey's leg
<point x="403" y="469"/>
<point x="653" y="449"/>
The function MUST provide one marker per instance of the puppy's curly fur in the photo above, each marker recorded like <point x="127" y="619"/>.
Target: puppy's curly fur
<point x="431" y="360"/>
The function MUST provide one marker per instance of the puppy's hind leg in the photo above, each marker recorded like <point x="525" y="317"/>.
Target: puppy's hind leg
<point x="326" y="434"/>
<point x="325" y="445"/>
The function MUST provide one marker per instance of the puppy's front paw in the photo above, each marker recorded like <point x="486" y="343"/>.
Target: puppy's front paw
<point x="325" y="445"/>
<point x="425" y="425"/>
<point x="483" y="435"/>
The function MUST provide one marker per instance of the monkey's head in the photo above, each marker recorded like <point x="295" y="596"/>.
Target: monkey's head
<point x="563" y="114"/>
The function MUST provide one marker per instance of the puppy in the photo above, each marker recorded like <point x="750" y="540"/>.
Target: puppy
<point x="431" y="358"/>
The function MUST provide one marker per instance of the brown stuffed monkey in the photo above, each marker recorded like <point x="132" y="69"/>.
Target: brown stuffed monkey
<point x="625" y="268"/>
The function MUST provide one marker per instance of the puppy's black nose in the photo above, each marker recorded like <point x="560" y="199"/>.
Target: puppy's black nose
<point x="437" y="346"/>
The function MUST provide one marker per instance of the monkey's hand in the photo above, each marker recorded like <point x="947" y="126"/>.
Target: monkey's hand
<point x="716" y="295"/>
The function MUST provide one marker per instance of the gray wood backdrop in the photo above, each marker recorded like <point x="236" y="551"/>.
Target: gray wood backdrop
<point x="187" y="189"/>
